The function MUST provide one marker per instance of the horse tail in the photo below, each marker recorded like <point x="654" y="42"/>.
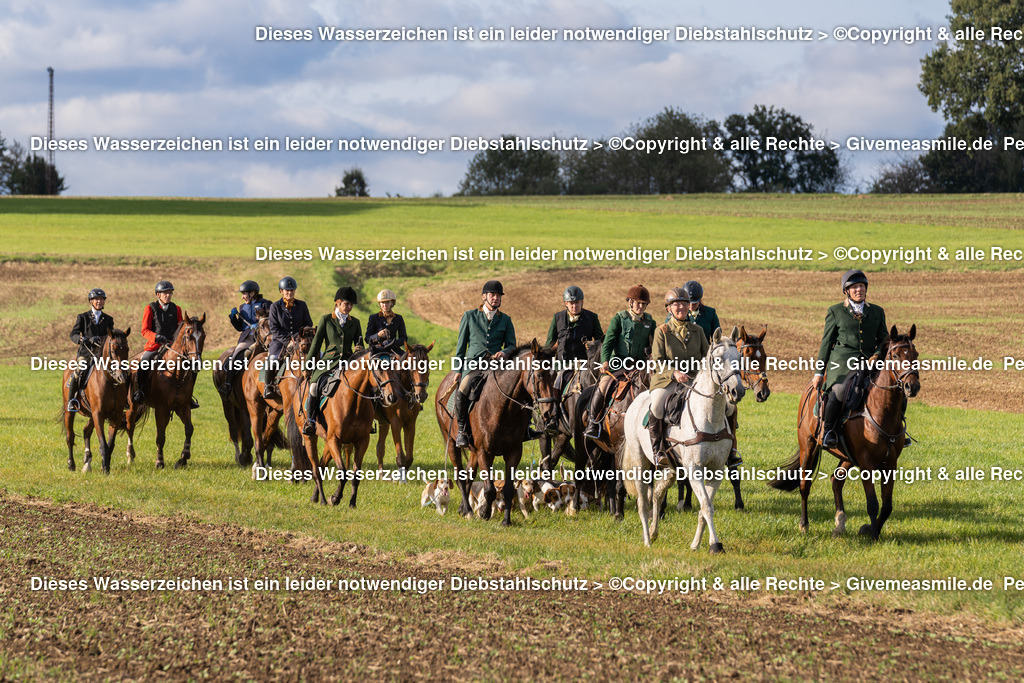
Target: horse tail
<point x="789" y="481"/>
<point x="295" y="445"/>
<point x="277" y="438"/>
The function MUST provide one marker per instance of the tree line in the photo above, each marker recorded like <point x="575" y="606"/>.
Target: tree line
<point x="22" y="173"/>
<point x="727" y="160"/>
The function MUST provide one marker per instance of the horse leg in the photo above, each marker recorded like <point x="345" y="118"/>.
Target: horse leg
<point x="382" y="435"/>
<point x="716" y="546"/>
<point x="837" y="493"/>
<point x="87" y="440"/>
<point x="309" y="443"/>
<point x="97" y="424"/>
<point x="336" y="449"/>
<point x="660" y="499"/>
<point x="69" y="437"/>
<point x="887" y="486"/>
<point x="185" y="414"/>
<point x="735" y="480"/>
<point x="490" y="493"/>
<point x="409" y="436"/>
<point x="805" y="484"/>
<point x="643" y="505"/>
<point x="163" y="417"/>
<point x="872" y="503"/>
<point x="245" y="434"/>
<point x="360" y="451"/>
<point x="257" y="417"/>
<point x="508" y="491"/>
<point x="233" y="428"/>
<point x="268" y="435"/>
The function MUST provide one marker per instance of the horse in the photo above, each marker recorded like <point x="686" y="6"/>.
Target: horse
<point x="754" y="361"/>
<point x="104" y="398"/>
<point x="234" y="403"/>
<point x="553" y="445"/>
<point x="600" y="453"/>
<point x="265" y="413"/>
<point x="871" y="439"/>
<point x="348" y="417"/>
<point x="400" y="417"/>
<point x="499" y="421"/>
<point x="701" y="442"/>
<point x="170" y="390"/>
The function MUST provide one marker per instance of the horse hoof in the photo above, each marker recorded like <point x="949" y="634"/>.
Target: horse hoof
<point x="739" y="506"/>
<point x="717" y="549"/>
<point x="838" y="533"/>
<point x="87" y="467"/>
<point x="334" y="500"/>
<point x="106" y="471"/>
<point x="619" y="516"/>
<point x="181" y="464"/>
<point x="683" y="507"/>
<point x="352" y="505"/>
<point x="159" y="464"/>
<point x="867" y="530"/>
<point x="803" y="528"/>
<point x="506" y="523"/>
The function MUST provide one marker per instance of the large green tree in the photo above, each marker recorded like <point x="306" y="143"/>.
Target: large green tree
<point x="976" y="79"/>
<point x="512" y="171"/>
<point x="353" y="184"/>
<point x="761" y="169"/>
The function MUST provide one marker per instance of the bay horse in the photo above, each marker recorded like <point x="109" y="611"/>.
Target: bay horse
<point x="755" y="378"/>
<point x="348" y="417"/>
<point x="600" y="453"/>
<point x="401" y="415"/>
<point x="265" y="413"/>
<point x="871" y="439"/>
<point x="499" y="421"/>
<point x="701" y="442"/>
<point x="170" y="390"/>
<point x="233" y="404"/>
<point x="553" y="445"/>
<point x="104" y="397"/>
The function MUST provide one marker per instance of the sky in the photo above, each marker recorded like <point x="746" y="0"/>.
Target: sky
<point x="141" y="70"/>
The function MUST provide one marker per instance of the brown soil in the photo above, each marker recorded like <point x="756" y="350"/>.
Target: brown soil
<point x="382" y="634"/>
<point x="61" y="289"/>
<point x="966" y="315"/>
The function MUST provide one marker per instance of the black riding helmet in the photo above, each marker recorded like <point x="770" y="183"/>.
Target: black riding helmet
<point x="854" y="277"/>
<point x="493" y="287"/>
<point x="346" y="294"/>
<point x="288" y="282"/>
<point x="694" y="290"/>
<point x="97" y="294"/>
<point x="164" y="286"/>
<point x="249" y="286"/>
<point x="572" y="293"/>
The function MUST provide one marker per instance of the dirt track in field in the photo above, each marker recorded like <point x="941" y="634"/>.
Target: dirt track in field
<point x="102" y="635"/>
<point x="966" y="315"/>
<point x="62" y="289"/>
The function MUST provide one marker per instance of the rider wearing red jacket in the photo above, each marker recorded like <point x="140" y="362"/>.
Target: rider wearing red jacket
<point x="160" y="321"/>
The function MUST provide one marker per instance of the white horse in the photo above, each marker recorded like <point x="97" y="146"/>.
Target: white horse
<point x="700" y="442"/>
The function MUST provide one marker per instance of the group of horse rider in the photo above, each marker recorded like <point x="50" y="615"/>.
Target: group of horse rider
<point x="853" y="329"/>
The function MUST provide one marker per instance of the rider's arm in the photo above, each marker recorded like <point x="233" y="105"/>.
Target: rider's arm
<point x="608" y="347"/>
<point x="552" y="331"/>
<point x="401" y="338"/>
<point x="509" y="343"/>
<point x="318" y="340"/>
<point x="598" y="332"/>
<point x="828" y="340"/>
<point x="147" y="325"/>
<point x="880" y="337"/>
<point x="463" y="344"/>
<point x="78" y="330"/>
<point x="236" y="320"/>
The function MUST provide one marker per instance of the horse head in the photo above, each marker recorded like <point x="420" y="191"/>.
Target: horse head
<point x="538" y="376"/>
<point x="724" y="361"/>
<point x="419" y="369"/>
<point x="383" y="377"/>
<point x="755" y="360"/>
<point x="190" y="337"/>
<point x="263" y="328"/>
<point x="901" y="361"/>
<point x="115" y="350"/>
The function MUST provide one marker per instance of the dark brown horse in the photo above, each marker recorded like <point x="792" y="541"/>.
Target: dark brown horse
<point x="233" y="404"/>
<point x="601" y="452"/>
<point x="265" y="413"/>
<point x="498" y="421"/>
<point x="755" y="378"/>
<point x="104" y="397"/>
<point x="348" y="417"/>
<point x="401" y="415"/>
<point x="170" y="389"/>
<point x="870" y="440"/>
<point x="553" y="445"/>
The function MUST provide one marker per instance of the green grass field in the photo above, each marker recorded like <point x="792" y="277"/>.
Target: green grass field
<point x="938" y="529"/>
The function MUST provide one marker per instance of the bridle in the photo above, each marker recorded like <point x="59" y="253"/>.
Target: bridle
<point x="716" y="373"/>
<point x="193" y="338"/>
<point x="899" y="380"/>
<point x="762" y="376"/>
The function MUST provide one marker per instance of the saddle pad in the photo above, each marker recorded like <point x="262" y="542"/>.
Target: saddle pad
<point x="475" y="389"/>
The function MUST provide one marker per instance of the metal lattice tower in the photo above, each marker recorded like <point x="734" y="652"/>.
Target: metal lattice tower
<point x="49" y="132"/>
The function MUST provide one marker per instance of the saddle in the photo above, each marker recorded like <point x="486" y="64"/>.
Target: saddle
<point x="476" y="388"/>
<point x="673" y="407"/>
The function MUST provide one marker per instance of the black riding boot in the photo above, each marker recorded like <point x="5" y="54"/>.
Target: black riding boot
<point x="832" y="411"/>
<point x="73" y="405"/>
<point x="734" y="457"/>
<point x="142" y="389"/>
<point x="312" y="413"/>
<point x="462" y="417"/>
<point x="659" y="443"/>
<point x="596" y="413"/>
<point x="270" y="382"/>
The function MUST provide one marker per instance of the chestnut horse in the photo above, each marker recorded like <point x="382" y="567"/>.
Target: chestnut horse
<point x="754" y="361"/>
<point x="265" y="413"/>
<point x="348" y="417"/>
<point x="170" y="389"/>
<point x="104" y="397"/>
<point x="499" y="421"/>
<point x="871" y="439"/>
<point x="234" y="403"/>
<point x="401" y="415"/>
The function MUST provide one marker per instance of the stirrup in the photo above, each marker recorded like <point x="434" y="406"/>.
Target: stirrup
<point x="830" y="439"/>
<point x="269" y="390"/>
<point x="225" y="389"/>
<point x="73" y="405"/>
<point x="462" y="439"/>
<point x="193" y="403"/>
<point x="907" y="441"/>
<point x="138" y="397"/>
<point x="593" y="430"/>
<point x="309" y="429"/>
<point x="734" y="459"/>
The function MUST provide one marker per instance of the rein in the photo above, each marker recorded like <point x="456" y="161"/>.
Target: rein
<point x="761" y="376"/>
